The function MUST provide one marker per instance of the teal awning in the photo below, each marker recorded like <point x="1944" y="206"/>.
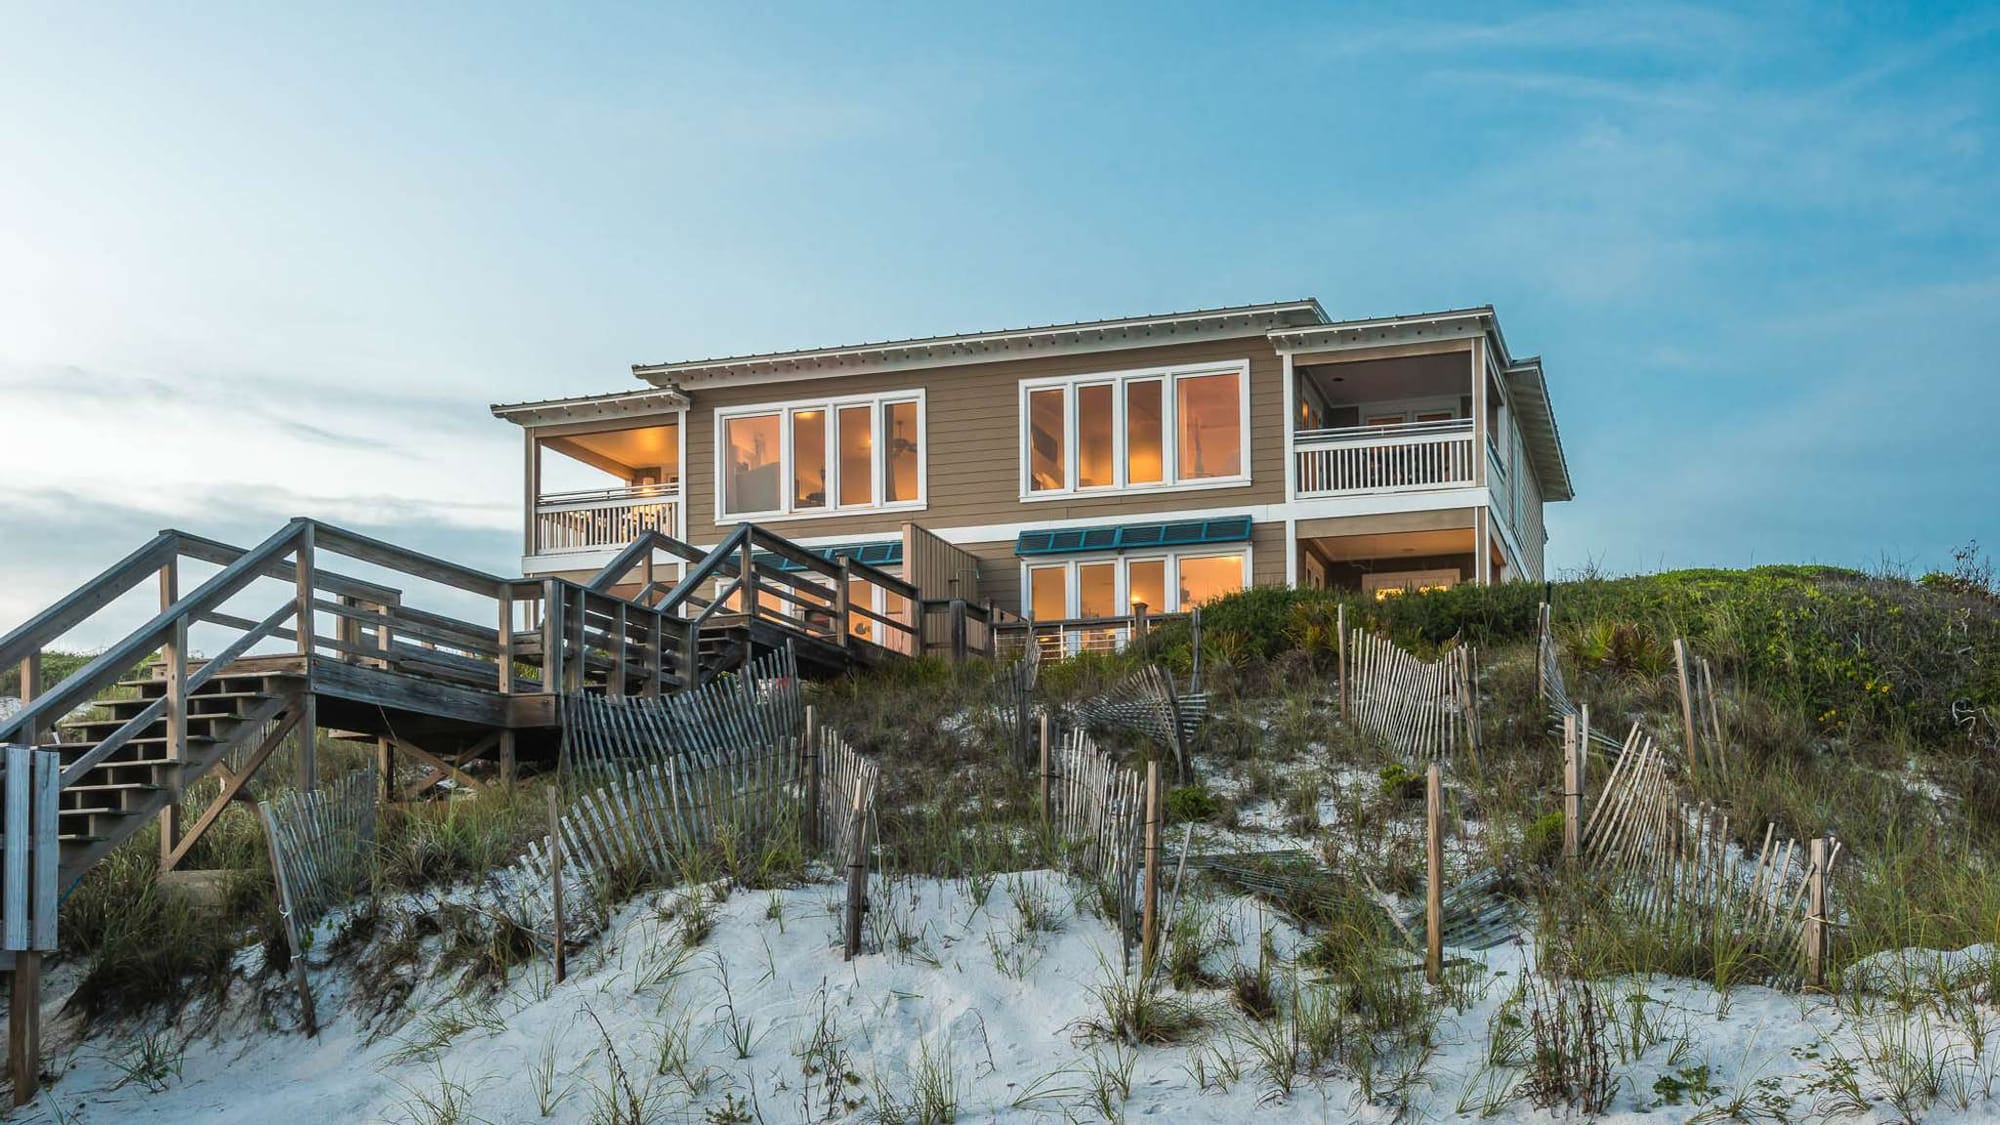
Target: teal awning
<point x="1134" y="536"/>
<point x="889" y="552"/>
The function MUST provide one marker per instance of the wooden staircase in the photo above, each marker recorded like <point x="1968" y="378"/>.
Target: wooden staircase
<point x="116" y="797"/>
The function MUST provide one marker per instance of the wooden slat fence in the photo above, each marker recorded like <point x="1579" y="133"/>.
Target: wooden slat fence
<point x="1148" y="702"/>
<point x="1097" y="812"/>
<point x="606" y="736"/>
<point x="29" y="799"/>
<point x="1674" y="865"/>
<point x="321" y="844"/>
<point x="656" y="798"/>
<point x="1014" y="691"/>
<point x="1426" y="709"/>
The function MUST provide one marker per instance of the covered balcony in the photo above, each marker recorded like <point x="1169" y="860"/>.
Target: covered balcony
<point x="599" y="491"/>
<point x="1399" y="424"/>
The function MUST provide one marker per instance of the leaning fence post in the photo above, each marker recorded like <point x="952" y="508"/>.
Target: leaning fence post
<point x="1149" y="934"/>
<point x="1815" y="936"/>
<point x="1434" y="869"/>
<point x="810" y="767"/>
<point x="1340" y="624"/>
<point x="1045" y="767"/>
<point x="1194" y="629"/>
<point x="857" y="875"/>
<point x="1572" y="791"/>
<point x="555" y="882"/>
<point x="1687" y="707"/>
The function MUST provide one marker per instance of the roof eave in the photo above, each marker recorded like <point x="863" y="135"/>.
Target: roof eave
<point x="586" y="408"/>
<point x="940" y="351"/>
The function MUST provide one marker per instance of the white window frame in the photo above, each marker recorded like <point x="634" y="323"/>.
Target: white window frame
<point x="1169" y="436"/>
<point x="831" y="404"/>
<point x="1172" y="559"/>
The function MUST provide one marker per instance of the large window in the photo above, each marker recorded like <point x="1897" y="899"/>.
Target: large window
<point x="808" y="458"/>
<point x="1155" y="429"/>
<point x="1094" y="587"/>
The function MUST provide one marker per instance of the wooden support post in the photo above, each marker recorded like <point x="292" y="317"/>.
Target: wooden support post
<point x="1048" y="762"/>
<point x="1572" y="791"/>
<point x="1434" y="870"/>
<point x="24" y="1025"/>
<point x="843" y="601"/>
<point x="504" y="660"/>
<point x="857" y="875"/>
<point x="1687" y="708"/>
<point x="1816" y="926"/>
<point x="556" y="883"/>
<point x="507" y="765"/>
<point x="809" y="770"/>
<point x="1140" y="624"/>
<point x="958" y="634"/>
<point x="1149" y="917"/>
<point x="173" y="659"/>
<point x="1346" y="694"/>
<point x="385" y="770"/>
<point x="308" y="744"/>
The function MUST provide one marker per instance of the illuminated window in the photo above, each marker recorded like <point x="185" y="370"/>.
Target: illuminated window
<point x="752" y="473"/>
<point x="808" y="459"/>
<point x="1210" y="434"/>
<point x="1208" y="578"/>
<point x="1140" y="429"/>
<point x="1046" y="463"/>
<point x="1145" y="461"/>
<point x="813" y="457"/>
<point x="1100" y="587"/>
<point x="1095" y="455"/>
<point x="1147" y="579"/>
<point x="857" y="456"/>
<point x="1097" y="590"/>
<point x="1048" y="593"/>
<point x="899" y="452"/>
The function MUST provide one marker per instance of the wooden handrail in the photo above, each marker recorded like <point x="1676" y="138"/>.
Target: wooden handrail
<point x="108" y="666"/>
<point x="76" y="607"/>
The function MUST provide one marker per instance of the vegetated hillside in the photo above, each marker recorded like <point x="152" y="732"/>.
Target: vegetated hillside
<point x="1855" y="705"/>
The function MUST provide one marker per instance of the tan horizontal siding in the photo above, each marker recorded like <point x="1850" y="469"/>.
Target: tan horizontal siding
<point x="972" y="441"/>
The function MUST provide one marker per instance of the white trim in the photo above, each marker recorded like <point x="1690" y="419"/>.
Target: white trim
<point x="1169" y="378"/>
<point x="1291" y="553"/>
<point x="1122" y="589"/>
<point x="831" y="405"/>
<point x="1291" y="429"/>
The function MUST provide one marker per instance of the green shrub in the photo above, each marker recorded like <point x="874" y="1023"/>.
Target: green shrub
<point x="1541" y="843"/>
<point x="1400" y="782"/>
<point x="1190" y="803"/>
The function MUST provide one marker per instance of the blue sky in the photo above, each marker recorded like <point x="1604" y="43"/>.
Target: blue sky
<point x="256" y="263"/>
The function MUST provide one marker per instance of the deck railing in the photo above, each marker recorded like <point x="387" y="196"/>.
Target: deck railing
<point x="1403" y="458"/>
<point x="593" y="521"/>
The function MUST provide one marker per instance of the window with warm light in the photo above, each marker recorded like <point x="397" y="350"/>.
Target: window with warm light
<point x="1090" y="588"/>
<point x="808" y="458"/>
<point x="1155" y="429"/>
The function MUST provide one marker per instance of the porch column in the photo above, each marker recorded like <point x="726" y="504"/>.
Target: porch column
<point x="531" y="477"/>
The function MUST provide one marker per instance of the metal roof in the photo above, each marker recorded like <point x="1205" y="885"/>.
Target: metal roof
<point x="933" y="351"/>
<point x="585" y="408"/>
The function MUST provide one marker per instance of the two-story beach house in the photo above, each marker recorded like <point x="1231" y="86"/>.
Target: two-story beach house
<point x="1080" y="472"/>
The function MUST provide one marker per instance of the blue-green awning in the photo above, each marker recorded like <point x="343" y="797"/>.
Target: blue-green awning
<point x="1134" y="536"/>
<point x="888" y="552"/>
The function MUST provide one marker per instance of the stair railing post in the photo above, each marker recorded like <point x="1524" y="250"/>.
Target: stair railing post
<point x="308" y="734"/>
<point x="747" y="585"/>
<point x="31" y="682"/>
<point x="552" y="638"/>
<point x="843" y="600"/>
<point x="173" y="656"/>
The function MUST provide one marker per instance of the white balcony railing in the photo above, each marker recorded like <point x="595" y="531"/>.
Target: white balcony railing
<point x="1405" y="458"/>
<point x="595" y="521"/>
